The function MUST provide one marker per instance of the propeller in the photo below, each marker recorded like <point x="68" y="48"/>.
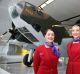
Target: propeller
<point x="13" y="32"/>
<point x="3" y="34"/>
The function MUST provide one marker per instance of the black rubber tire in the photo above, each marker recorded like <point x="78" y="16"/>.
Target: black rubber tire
<point x="25" y="61"/>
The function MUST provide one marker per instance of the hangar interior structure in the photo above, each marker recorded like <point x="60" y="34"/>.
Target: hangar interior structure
<point x="17" y="38"/>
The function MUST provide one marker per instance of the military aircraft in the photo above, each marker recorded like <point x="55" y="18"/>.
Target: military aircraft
<point x="29" y="24"/>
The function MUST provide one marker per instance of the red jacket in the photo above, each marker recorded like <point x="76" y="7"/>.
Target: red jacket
<point x="73" y="66"/>
<point x="44" y="61"/>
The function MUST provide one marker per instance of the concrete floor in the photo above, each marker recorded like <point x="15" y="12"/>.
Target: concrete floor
<point x="20" y="68"/>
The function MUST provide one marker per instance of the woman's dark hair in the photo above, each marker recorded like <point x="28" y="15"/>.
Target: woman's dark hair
<point x="47" y="31"/>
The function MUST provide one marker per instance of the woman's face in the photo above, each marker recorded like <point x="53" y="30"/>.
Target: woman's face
<point x="49" y="36"/>
<point x="76" y="31"/>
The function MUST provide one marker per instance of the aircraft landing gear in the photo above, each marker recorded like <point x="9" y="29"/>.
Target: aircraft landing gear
<point x="25" y="61"/>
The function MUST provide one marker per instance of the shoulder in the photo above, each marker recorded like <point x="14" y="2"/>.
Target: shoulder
<point x="38" y="48"/>
<point x="69" y="44"/>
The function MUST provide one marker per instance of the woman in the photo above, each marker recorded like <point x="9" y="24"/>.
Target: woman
<point x="46" y="56"/>
<point x="73" y="66"/>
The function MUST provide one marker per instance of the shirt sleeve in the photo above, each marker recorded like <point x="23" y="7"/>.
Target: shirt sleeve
<point x="36" y="60"/>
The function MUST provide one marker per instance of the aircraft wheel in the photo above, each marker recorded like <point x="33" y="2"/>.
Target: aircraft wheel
<point x="25" y="61"/>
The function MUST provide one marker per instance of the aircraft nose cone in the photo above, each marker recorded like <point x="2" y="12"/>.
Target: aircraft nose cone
<point x="14" y="13"/>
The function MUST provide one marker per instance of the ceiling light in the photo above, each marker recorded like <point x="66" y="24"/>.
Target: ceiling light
<point x="46" y="3"/>
<point x="49" y="1"/>
<point x="43" y="5"/>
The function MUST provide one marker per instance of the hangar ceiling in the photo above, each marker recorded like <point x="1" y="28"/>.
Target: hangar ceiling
<point x="59" y="10"/>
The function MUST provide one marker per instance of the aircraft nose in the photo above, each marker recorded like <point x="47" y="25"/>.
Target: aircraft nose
<point x="14" y="12"/>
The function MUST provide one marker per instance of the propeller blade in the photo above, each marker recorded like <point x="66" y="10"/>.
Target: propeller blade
<point x="13" y="26"/>
<point x="4" y="33"/>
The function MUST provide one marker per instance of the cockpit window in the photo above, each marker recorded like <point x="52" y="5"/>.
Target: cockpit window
<point x="24" y="31"/>
<point x="21" y="4"/>
<point x="31" y="37"/>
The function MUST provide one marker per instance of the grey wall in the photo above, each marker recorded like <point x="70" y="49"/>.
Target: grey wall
<point x="5" y="21"/>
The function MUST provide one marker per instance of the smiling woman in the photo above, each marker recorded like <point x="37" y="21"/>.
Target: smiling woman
<point x="45" y="58"/>
<point x="73" y="66"/>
